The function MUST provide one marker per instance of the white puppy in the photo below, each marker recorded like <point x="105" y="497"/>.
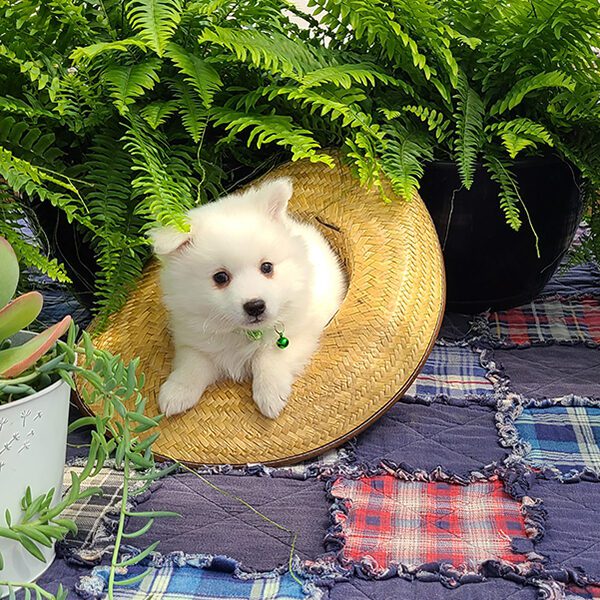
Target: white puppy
<point x="243" y="280"/>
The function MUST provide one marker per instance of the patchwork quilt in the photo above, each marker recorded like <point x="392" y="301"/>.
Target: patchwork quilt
<point x="482" y="483"/>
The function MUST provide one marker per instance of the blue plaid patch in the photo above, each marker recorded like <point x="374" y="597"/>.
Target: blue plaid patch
<point x="452" y="372"/>
<point x="564" y="437"/>
<point x="187" y="582"/>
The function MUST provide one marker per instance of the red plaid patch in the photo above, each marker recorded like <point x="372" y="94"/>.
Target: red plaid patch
<point x="573" y="592"/>
<point x="555" y="320"/>
<point x="390" y="521"/>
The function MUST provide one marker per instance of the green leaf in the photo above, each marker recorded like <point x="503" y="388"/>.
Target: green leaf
<point x="469" y="132"/>
<point x="156" y="113"/>
<point x="530" y="84"/>
<point x="134" y="560"/>
<point x="141" y="531"/>
<point x="129" y="83"/>
<point x="403" y="159"/>
<point x="31" y="547"/>
<point x="155" y="20"/>
<point x="199" y="74"/>
<point x="90" y="52"/>
<point x="135" y="578"/>
<point x="15" y="360"/>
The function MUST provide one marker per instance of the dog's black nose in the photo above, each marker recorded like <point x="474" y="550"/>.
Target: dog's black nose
<point x="255" y="307"/>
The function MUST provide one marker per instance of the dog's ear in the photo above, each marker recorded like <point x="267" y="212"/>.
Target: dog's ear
<point x="167" y="240"/>
<point x="274" y="196"/>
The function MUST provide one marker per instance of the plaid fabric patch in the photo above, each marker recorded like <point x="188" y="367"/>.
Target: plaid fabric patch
<point x="90" y="513"/>
<point x="393" y="522"/>
<point x="172" y="582"/>
<point x="544" y="322"/>
<point x="573" y="592"/>
<point x="454" y="372"/>
<point x="563" y="437"/>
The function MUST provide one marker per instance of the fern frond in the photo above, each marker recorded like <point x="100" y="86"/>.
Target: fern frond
<point x="469" y="132"/>
<point x="403" y="159"/>
<point x="362" y="154"/>
<point x="273" y="52"/>
<point x="22" y="176"/>
<point x="191" y="110"/>
<point x="119" y="248"/>
<point x="199" y="73"/>
<point x="272" y="129"/>
<point x="158" y="112"/>
<point x="28" y="142"/>
<point x="155" y="21"/>
<point x="346" y="76"/>
<point x="434" y="119"/>
<point x="519" y="134"/>
<point x="509" y="191"/>
<point x="30" y="254"/>
<point x="128" y="83"/>
<point x="530" y="84"/>
<point x="90" y="52"/>
<point x="17" y="106"/>
<point x="161" y="176"/>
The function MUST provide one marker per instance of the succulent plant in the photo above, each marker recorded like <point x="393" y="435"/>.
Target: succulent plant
<point x="22" y="365"/>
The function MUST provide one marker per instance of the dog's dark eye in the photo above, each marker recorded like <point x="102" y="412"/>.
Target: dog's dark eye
<point x="266" y="268"/>
<point x="221" y="278"/>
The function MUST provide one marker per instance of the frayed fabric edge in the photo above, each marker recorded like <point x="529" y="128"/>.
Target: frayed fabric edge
<point x="314" y="581"/>
<point x="509" y="410"/>
<point x="516" y="482"/>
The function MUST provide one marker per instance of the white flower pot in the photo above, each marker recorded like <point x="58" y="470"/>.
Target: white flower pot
<point x="33" y="443"/>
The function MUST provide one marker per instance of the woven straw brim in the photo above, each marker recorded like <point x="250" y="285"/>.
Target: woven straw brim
<point x="370" y="352"/>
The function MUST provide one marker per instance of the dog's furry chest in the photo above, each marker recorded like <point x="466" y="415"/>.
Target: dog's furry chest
<point x="231" y="353"/>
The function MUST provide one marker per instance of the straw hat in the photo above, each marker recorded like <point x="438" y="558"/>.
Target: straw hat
<point x="368" y="357"/>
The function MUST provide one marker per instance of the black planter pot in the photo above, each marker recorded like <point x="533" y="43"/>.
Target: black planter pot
<point x="70" y="247"/>
<point x="488" y="265"/>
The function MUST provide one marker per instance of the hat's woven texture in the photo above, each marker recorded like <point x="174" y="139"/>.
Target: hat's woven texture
<point x="369" y="354"/>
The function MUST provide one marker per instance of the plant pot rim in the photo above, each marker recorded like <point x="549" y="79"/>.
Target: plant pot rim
<point x="35" y="396"/>
<point x="39" y="393"/>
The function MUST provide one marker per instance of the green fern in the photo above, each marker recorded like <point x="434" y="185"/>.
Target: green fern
<point x="273" y="52"/>
<point x="161" y="176"/>
<point x="530" y="84"/>
<point x="198" y="73"/>
<point x="128" y="83"/>
<point x="271" y="129"/>
<point x="158" y="112"/>
<point x="194" y="115"/>
<point x="509" y="190"/>
<point x="434" y="119"/>
<point x="88" y="53"/>
<point x="519" y="134"/>
<point x="469" y="132"/>
<point x="155" y="21"/>
<point x="112" y="207"/>
<point x="346" y="76"/>
<point x="12" y="217"/>
<point x="403" y="159"/>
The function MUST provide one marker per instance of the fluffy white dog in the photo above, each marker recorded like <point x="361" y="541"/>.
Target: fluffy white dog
<point x="245" y="280"/>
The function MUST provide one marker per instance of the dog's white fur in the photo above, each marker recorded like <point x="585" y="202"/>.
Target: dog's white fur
<point x="237" y="234"/>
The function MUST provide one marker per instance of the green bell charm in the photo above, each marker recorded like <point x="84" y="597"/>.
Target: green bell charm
<point x="282" y="342"/>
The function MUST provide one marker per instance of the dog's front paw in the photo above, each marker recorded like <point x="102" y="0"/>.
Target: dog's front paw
<point x="176" y="397"/>
<point x="271" y="394"/>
